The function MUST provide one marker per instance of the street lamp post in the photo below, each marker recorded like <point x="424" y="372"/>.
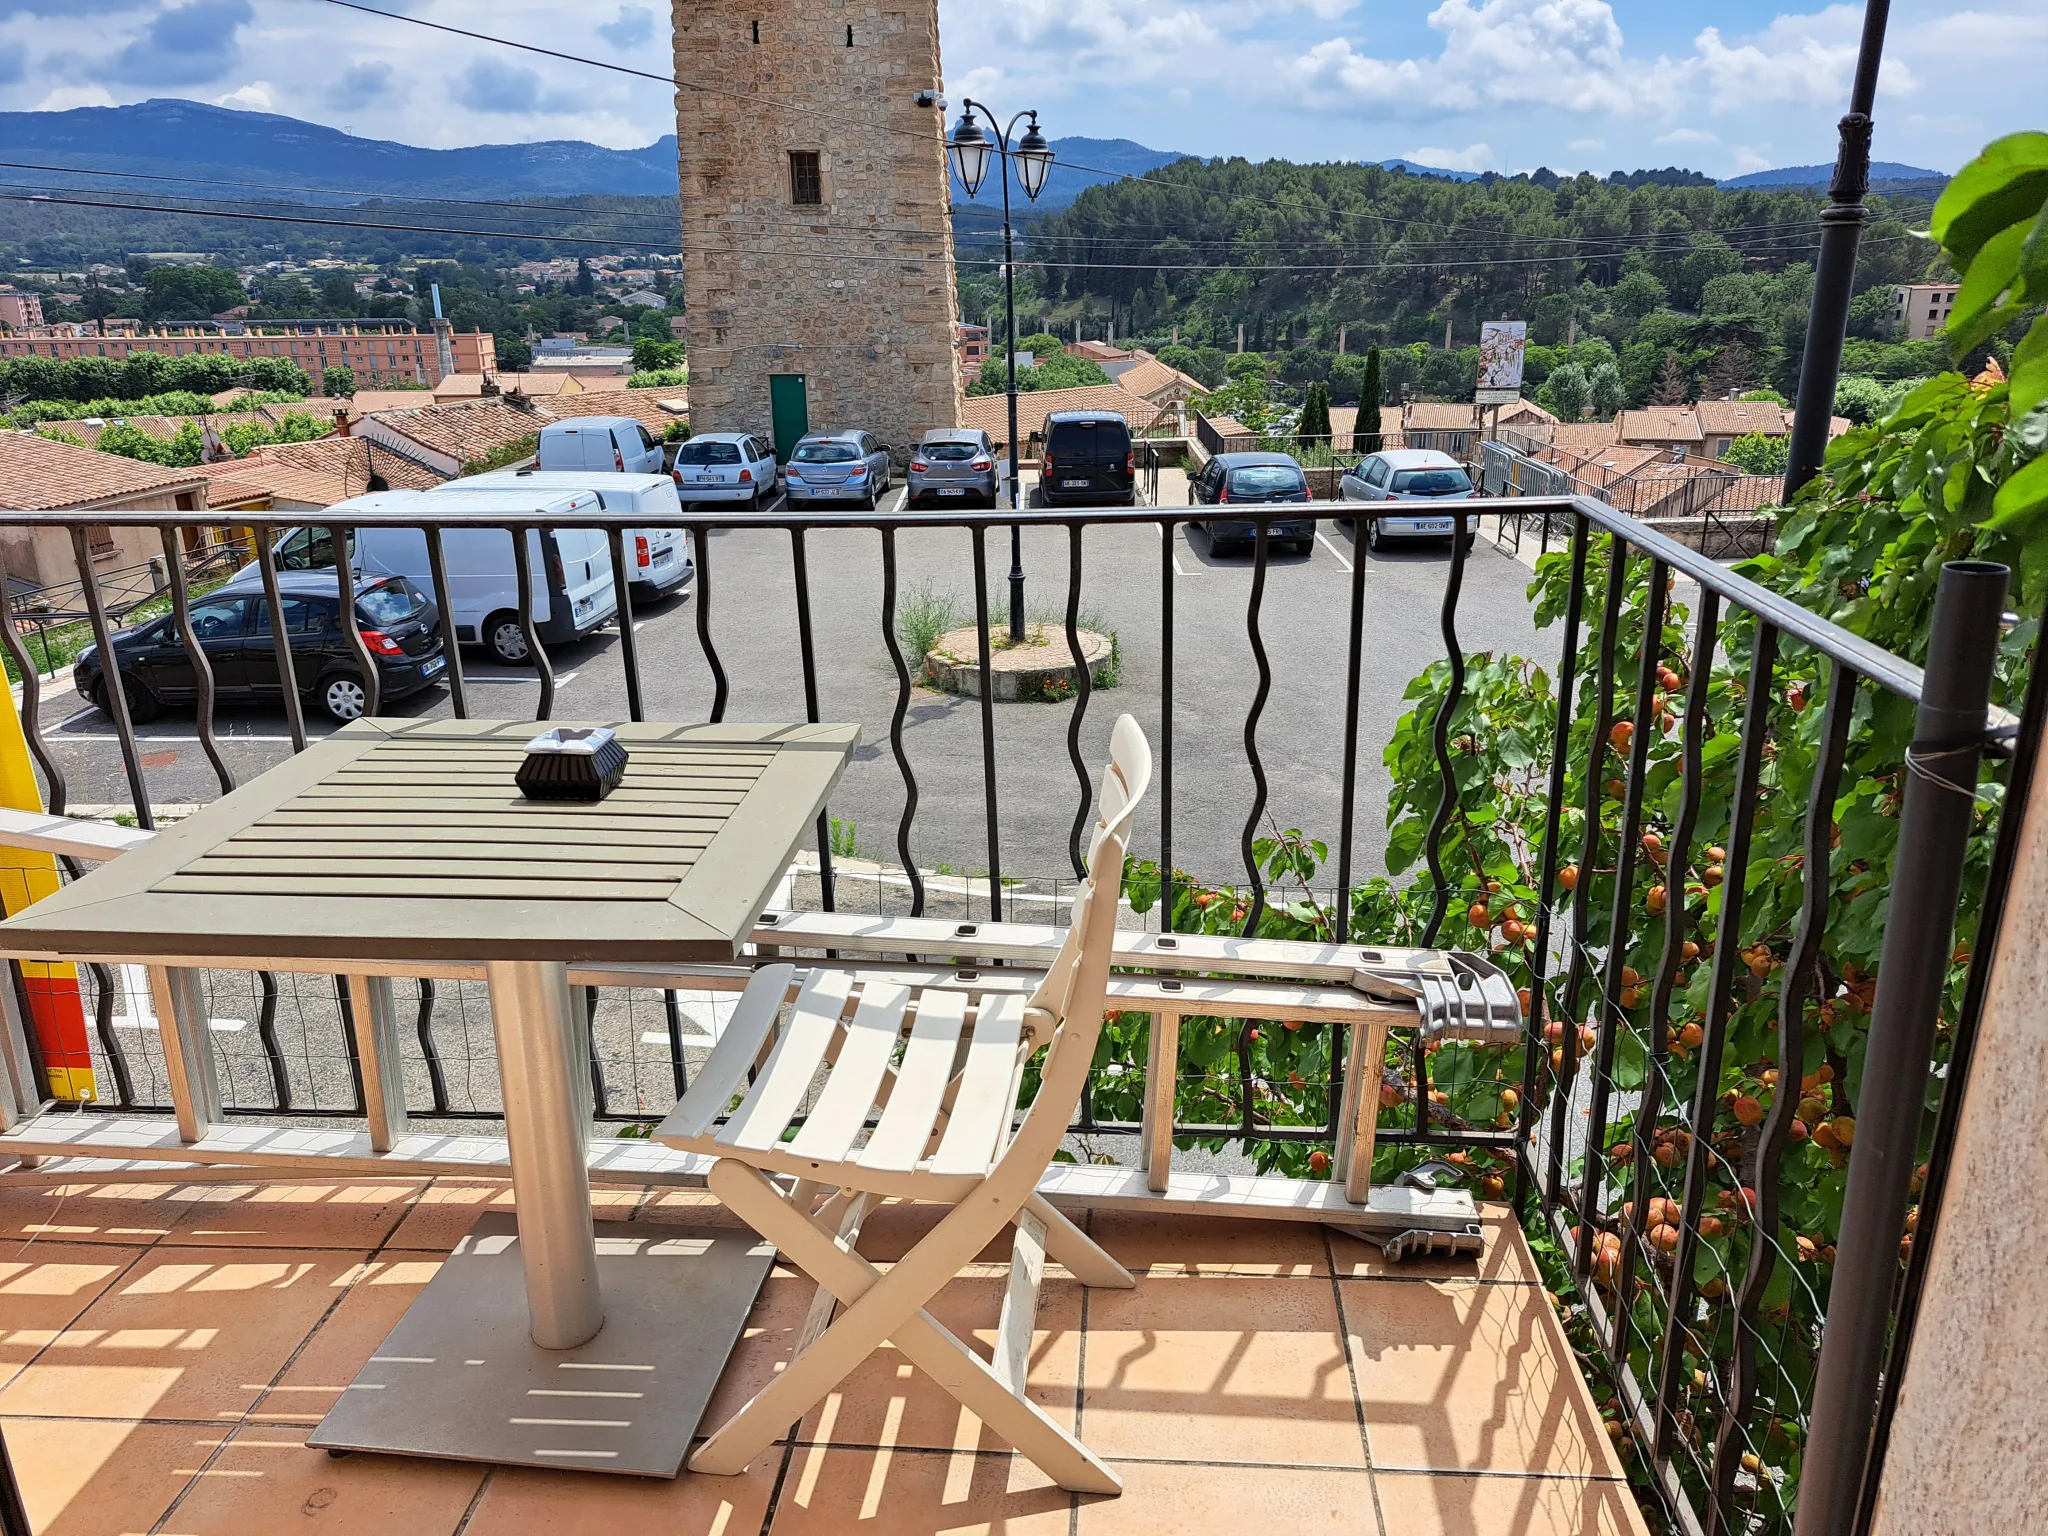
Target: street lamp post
<point x="970" y="147"/>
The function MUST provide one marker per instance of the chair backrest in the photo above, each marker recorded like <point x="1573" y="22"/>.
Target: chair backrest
<point x="1077" y="984"/>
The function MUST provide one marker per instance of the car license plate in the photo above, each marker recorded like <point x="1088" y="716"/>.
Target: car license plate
<point x="952" y="490"/>
<point x="432" y="666"/>
<point x="1436" y="527"/>
<point x="706" y="479"/>
<point x="1074" y="485"/>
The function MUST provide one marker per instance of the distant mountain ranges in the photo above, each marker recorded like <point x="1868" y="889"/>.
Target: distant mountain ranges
<point x="307" y="162"/>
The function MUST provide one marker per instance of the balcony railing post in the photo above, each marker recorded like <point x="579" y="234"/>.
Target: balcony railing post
<point x="180" y="1002"/>
<point x="1935" y="822"/>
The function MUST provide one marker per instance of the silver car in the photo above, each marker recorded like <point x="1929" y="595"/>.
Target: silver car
<point x="1410" y="475"/>
<point x="724" y="466"/>
<point x="955" y="464"/>
<point x="836" y="466"/>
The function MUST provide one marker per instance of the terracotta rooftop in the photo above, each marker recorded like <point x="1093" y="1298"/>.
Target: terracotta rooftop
<point x="1659" y="424"/>
<point x="326" y="471"/>
<point x="365" y="401"/>
<point x="169" y="1346"/>
<point x="991" y="412"/>
<point x="466" y="429"/>
<point x="1439" y="416"/>
<point x="1149" y="376"/>
<point x="1344" y="423"/>
<point x="653" y="408"/>
<point x="1523" y="412"/>
<point x="539" y="383"/>
<point x="1584" y="438"/>
<point x="1738" y="418"/>
<point x="39" y="474"/>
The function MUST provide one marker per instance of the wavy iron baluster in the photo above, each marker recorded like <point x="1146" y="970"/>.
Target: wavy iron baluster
<point x="700" y="540"/>
<point x="522" y="566"/>
<point x="988" y="724"/>
<point x="1560" y="763"/>
<point x="1677" y="860"/>
<point x="1589" y="850"/>
<point x="423" y="1027"/>
<point x="1084" y="688"/>
<point x="1613" y="1017"/>
<point x="1797" y="982"/>
<point x="1256" y="909"/>
<point x="1756" y="715"/>
<point x="202" y="664"/>
<point x="113" y="692"/>
<point x="437" y="570"/>
<point x="800" y="566"/>
<point x="280" y="639"/>
<point x="273" y="1053"/>
<point x="896" y="718"/>
<point x="1440" y="735"/>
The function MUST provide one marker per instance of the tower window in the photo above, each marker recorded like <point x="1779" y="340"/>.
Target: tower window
<point x="849" y="37"/>
<point x="804" y="183"/>
<point x="757" y="32"/>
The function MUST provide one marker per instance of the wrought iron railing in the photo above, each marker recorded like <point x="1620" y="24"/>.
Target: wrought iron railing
<point x="1678" y="1339"/>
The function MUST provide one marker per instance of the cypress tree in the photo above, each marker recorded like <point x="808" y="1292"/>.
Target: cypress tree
<point x="1365" y="434"/>
<point x="1314" y="430"/>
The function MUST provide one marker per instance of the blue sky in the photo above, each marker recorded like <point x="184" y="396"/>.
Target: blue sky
<point x="1474" y="84"/>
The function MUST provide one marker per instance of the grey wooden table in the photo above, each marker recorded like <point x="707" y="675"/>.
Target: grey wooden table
<point x="396" y="842"/>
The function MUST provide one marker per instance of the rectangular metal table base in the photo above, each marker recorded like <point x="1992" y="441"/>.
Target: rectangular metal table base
<point x="460" y="1377"/>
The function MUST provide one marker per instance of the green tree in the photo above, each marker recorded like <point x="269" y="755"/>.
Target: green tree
<point x="1755" y="453"/>
<point x="586" y="281"/>
<point x="1567" y="393"/>
<point x="1365" y="433"/>
<point x="1244" y="365"/>
<point x="1063" y="370"/>
<point x="1609" y="393"/>
<point x="1859" y="397"/>
<point x="1304" y="365"/>
<point x="338" y="381"/>
<point x="1313" y="430"/>
<point x="650" y="354"/>
<point x="1040" y="344"/>
<point x="190" y="293"/>
<point x="1636" y="295"/>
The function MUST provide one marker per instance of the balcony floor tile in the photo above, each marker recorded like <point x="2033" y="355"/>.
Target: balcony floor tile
<point x="170" y="1382"/>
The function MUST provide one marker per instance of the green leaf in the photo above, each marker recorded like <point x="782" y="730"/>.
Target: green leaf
<point x="1990" y="274"/>
<point x="2008" y="182"/>
<point x="2029" y="385"/>
<point x="2021" y="501"/>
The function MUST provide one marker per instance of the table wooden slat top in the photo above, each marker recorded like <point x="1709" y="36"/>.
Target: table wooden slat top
<point x="409" y="840"/>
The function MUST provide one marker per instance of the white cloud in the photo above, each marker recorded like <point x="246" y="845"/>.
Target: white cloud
<point x="253" y="97"/>
<point x="1473" y="157"/>
<point x="1688" y="136"/>
<point x="1586" y="146"/>
<point x="65" y="97"/>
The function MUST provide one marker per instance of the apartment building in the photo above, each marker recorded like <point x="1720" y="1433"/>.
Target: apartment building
<point x="393" y="350"/>
<point x="19" y="311"/>
<point x="1924" y="308"/>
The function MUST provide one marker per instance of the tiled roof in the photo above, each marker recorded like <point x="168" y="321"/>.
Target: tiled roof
<point x="1609" y="463"/>
<point x="466" y="429"/>
<point x="365" y="401"/>
<point x="1522" y="412"/>
<point x="38" y="474"/>
<point x="1659" y="424"/>
<point x="460" y="386"/>
<point x="991" y="412"/>
<point x="1148" y="376"/>
<point x="1344" y="424"/>
<point x="1738" y="418"/>
<point x="654" y="408"/>
<point x="539" y="383"/>
<point x="326" y="471"/>
<point x="1586" y="439"/>
<point x="1439" y="416"/>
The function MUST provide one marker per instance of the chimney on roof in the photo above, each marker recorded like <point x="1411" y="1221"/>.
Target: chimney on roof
<point x="341" y="421"/>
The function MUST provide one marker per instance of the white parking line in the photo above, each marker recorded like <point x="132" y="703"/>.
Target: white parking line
<point x="1323" y="539"/>
<point x="1167" y="533"/>
<point x="516" y="677"/>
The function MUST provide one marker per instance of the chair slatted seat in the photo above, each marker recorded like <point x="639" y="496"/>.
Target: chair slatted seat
<point x="933" y="1062"/>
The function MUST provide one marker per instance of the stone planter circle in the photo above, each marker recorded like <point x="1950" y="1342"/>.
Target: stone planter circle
<point x="1040" y="669"/>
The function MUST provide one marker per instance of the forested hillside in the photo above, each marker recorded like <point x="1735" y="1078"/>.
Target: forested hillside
<point x="1715" y="281"/>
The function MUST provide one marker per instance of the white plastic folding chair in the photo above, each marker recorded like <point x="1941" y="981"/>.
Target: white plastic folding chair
<point x="939" y="1067"/>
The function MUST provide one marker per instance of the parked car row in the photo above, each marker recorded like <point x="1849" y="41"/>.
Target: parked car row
<point x="1394" y="475"/>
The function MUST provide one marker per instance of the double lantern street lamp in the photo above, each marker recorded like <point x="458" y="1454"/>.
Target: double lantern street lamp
<point x="970" y="147"/>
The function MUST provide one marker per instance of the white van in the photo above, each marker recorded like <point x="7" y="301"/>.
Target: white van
<point x="657" y="558"/>
<point x="571" y="589"/>
<point x="615" y="443"/>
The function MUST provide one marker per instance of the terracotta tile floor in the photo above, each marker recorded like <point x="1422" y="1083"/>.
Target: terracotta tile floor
<point x="164" y="1350"/>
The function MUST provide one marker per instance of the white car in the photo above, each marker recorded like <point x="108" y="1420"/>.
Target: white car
<point x="725" y="466"/>
<point x="1409" y="475"/>
<point x="615" y="443"/>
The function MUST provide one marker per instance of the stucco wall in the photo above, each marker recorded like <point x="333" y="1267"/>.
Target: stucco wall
<point x="1968" y="1452"/>
<point x="855" y="294"/>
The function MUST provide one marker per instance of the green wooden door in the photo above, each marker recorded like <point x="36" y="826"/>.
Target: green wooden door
<point x="789" y="404"/>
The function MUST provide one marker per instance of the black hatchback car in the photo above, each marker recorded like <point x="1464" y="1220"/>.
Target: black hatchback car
<point x="1231" y="479"/>
<point x="1088" y="459"/>
<point x="399" y="626"/>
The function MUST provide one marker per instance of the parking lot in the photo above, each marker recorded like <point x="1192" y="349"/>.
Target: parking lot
<point x="753" y="624"/>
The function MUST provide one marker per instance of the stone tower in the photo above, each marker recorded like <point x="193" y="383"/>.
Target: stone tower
<point x="818" y="253"/>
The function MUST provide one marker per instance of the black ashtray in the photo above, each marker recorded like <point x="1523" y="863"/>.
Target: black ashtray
<point x="572" y="763"/>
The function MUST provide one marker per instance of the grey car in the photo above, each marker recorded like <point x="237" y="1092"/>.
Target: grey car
<point x="955" y="464"/>
<point x="836" y="466"/>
